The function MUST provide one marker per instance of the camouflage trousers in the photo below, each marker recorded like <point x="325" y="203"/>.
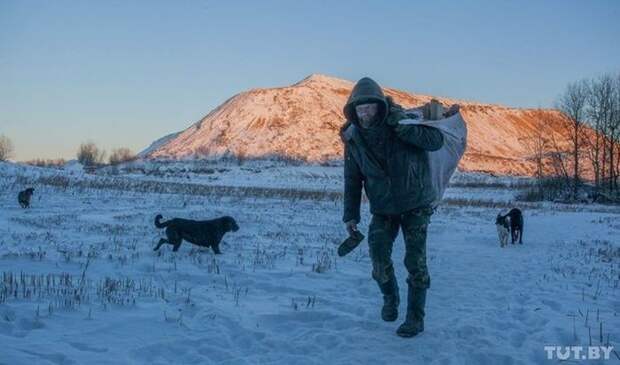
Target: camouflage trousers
<point x="381" y="235"/>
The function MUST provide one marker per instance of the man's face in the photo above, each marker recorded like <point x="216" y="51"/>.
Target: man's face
<point x="366" y="113"/>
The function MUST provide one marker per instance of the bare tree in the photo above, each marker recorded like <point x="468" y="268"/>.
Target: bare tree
<point x="120" y="155"/>
<point x="90" y="155"/>
<point x="6" y="148"/>
<point x="573" y="104"/>
<point x="538" y="144"/>
<point x="559" y="161"/>
<point x="599" y="111"/>
<point x="613" y="134"/>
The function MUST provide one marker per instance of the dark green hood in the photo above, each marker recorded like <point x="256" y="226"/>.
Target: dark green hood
<point x="365" y="91"/>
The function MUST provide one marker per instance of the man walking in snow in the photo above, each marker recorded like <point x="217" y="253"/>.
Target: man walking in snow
<point x="390" y="161"/>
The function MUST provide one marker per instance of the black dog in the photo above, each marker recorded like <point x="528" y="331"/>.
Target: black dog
<point x="201" y="233"/>
<point x="24" y="197"/>
<point x="516" y="225"/>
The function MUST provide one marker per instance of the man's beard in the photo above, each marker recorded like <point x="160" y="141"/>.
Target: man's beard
<point x="368" y="121"/>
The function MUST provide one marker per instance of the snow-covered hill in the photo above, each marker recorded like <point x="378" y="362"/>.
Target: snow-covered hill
<point x="157" y="144"/>
<point x="301" y="121"/>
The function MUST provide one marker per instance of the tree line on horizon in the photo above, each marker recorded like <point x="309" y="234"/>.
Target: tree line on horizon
<point x="88" y="154"/>
<point x="592" y="108"/>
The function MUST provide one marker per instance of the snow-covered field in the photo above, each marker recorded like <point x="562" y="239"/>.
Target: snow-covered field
<point x="81" y="285"/>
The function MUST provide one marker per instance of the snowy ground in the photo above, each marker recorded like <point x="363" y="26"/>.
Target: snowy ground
<point x="81" y="284"/>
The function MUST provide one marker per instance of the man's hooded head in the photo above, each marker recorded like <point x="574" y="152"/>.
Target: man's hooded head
<point x="365" y="91"/>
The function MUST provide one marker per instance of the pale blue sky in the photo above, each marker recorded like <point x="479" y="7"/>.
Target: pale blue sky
<point x="123" y="73"/>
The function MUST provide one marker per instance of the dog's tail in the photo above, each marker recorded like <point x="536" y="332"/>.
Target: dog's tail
<point x="158" y="222"/>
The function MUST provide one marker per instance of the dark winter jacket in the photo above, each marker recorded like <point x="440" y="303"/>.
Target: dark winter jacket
<point x="396" y="180"/>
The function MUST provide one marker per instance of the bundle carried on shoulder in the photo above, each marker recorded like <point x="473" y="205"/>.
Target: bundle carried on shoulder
<point x="444" y="161"/>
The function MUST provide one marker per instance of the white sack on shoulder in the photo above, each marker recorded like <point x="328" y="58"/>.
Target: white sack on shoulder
<point x="444" y="161"/>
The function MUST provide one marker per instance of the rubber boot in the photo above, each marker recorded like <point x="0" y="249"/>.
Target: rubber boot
<point x="391" y="300"/>
<point x="414" y="322"/>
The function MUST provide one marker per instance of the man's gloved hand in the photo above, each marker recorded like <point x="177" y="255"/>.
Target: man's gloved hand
<point x="396" y="113"/>
<point x="394" y="117"/>
<point x="351" y="227"/>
